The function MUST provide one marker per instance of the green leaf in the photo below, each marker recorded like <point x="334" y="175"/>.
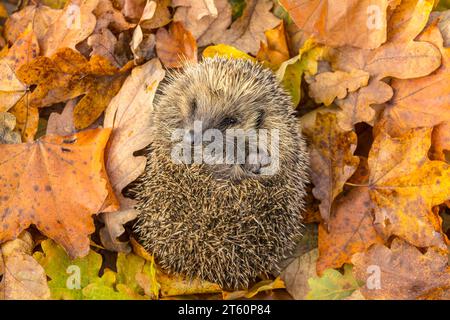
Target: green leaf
<point x="333" y="285"/>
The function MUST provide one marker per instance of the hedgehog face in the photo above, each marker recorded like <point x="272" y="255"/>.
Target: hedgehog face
<point x="219" y="101"/>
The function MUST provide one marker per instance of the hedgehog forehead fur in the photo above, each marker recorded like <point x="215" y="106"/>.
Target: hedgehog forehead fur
<point x="221" y="230"/>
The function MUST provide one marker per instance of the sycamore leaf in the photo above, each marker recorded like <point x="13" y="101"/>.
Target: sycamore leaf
<point x="24" y="50"/>
<point x="206" y="20"/>
<point x="66" y="75"/>
<point x="23" y="277"/>
<point x="332" y="160"/>
<point x="35" y="177"/>
<point x="327" y="86"/>
<point x="7" y="125"/>
<point x="175" y="46"/>
<point x="349" y="230"/>
<point x="358" y="23"/>
<point x="296" y="275"/>
<point x="75" y="23"/>
<point x="247" y="31"/>
<point x="402" y="272"/>
<point x="333" y="285"/>
<point x="404" y="185"/>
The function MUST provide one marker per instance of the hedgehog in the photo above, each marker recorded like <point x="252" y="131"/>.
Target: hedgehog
<point x="222" y="221"/>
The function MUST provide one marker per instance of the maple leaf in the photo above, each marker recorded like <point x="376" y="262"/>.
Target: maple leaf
<point x="247" y="31"/>
<point x="24" y="50"/>
<point x="332" y="160"/>
<point x="67" y="75"/>
<point x="34" y="179"/>
<point x="23" y="277"/>
<point x="358" y="23"/>
<point x="175" y="46"/>
<point x="403" y="271"/>
<point x="404" y="185"/>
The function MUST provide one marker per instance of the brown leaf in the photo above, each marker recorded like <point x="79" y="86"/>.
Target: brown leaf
<point x="7" y="125"/>
<point x="175" y="46"/>
<point x="23" y="277"/>
<point x="404" y="185"/>
<point x="357" y="23"/>
<point x="160" y="18"/>
<point x="62" y="124"/>
<point x="24" y="50"/>
<point x="401" y="272"/>
<point x="75" y="23"/>
<point x="247" y="31"/>
<point x="350" y="230"/>
<point x="57" y="184"/>
<point x="110" y="17"/>
<point x="332" y="160"/>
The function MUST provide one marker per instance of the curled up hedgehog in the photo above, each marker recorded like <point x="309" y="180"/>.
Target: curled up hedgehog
<point x="204" y="213"/>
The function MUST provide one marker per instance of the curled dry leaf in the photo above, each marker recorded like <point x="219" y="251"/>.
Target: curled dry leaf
<point x="129" y="114"/>
<point x="23" y="277"/>
<point x="332" y="160"/>
<point x="401" y="272"/>
<point x="357" y="23"/>
<point x="35" y="178"/>
<point x="176" y="46"/>
<point x="247" y="31"/>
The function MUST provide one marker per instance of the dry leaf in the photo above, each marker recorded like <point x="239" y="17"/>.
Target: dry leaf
<point x="110" y="17"/>
<point x="176" y="46"/>
<point x="247" y="31"/>
<point x="441" y="142"/>
<point x="62" y="124"/>
<point x="357" y="23"/>
<point x="23" y="277"/>
<point x="160" y="18"/>
<point x="7" y="125"/>
<point x="401" y="272"/>
<point x="57" y="184"/>
<point x="332" y="160"/>
<point x="113" y="229"/>
<point x="74" y="25"/>
<point x="276" y="51"/>
<point x="261" y="286"/>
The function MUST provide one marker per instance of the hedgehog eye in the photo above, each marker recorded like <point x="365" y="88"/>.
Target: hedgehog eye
<point x="228" y="121"/>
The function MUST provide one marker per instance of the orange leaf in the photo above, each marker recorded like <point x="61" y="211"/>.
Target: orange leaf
<point x="56" y="183"/>
<point x="276" y="50"/>
<point x="175" y="46"/>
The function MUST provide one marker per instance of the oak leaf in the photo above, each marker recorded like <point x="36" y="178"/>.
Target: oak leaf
<point x="35" y="179"/>
<point x="176" y="46"/>
<point x="332" y="160"/>
<point x="23" y="277"/>
<point x="403" y="271"/>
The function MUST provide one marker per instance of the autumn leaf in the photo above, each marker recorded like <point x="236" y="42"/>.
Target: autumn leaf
<point x="229" y="52"/>
<point x="333" y="285"/>
<point x="7" y="125"/>
<point x="358" y="23"/>
<point x="404" y="185"/>
<point x="160" y="18"/>
<point x="24" y="50"/>
<point x="206" y="20"/>
<point x="34" y="179"/>
<point x="401" y="271"/>
<point x="247" y="31"/>
<point x="332" y="160"/>
<point x="276" y="50"/>
<point x="23" y="277"/>
<point x="75" y="23"/>
<point x="441" y="142"/>
<point x="262" y="286"/>
<point x="67" y="75"/>
<point x="350" y="230"/>
<point x="175" y="46"/>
